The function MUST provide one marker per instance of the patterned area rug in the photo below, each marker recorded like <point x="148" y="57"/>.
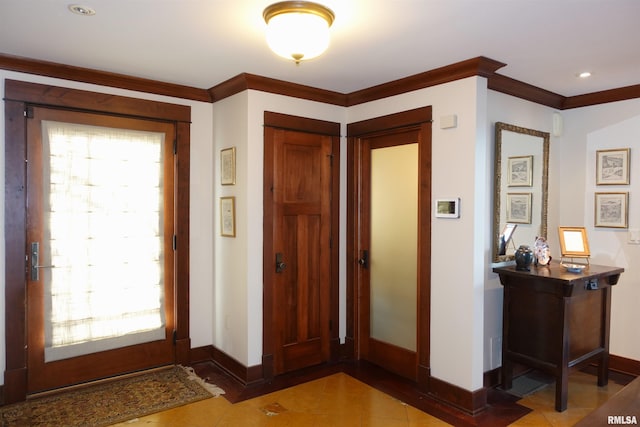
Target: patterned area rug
<point x="111" y="402"/>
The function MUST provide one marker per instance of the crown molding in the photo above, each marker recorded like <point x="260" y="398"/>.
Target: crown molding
<point x="102" y="78"/>
<point x="602" y="97"/>
<point x="247" y="81"/>
<point x="522" y="90"/>
<point x="480" y="66"/>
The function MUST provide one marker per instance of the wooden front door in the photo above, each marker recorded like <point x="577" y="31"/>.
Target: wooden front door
<point x="100" y="257"/>
<point x="298" y="265"/>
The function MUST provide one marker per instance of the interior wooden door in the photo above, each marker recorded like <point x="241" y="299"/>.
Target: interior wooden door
<point x="297" y="261"/>
<point x="389" y="241"/>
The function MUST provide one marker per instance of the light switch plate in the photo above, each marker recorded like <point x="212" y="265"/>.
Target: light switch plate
<point x="633" y="237"/>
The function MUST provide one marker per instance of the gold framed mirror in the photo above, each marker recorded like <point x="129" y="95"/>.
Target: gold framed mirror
<point x="520" y="188"/>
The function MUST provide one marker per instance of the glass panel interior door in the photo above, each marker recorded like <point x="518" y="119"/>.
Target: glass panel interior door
<point x="394" y="245"/>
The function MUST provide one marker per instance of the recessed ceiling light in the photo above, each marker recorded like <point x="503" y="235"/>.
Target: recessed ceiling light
<point x="79" y="9"/>
<point x="584" y="74"/>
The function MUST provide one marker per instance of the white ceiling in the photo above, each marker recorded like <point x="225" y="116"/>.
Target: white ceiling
<point x="202" y="43"/>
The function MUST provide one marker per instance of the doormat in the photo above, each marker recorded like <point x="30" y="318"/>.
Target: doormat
<point x="529" y="383"/>
<point x="111" y="402"/>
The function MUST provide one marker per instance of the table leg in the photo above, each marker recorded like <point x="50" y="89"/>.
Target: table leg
<point x="603" y="371"/>
<point x="507" y="374"/>
<point x="562" y="390"/>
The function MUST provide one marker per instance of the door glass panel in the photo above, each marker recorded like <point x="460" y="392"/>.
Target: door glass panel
<point x="394" y="244"/>
<point x="102" y="252"/>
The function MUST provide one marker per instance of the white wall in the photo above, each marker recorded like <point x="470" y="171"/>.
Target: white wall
<point x="201" y="271"/>
<point x="459" y="159"/>
<point x="238" y="121"/>
<point x="586" y="130"/>
<point x="514" y="111"/>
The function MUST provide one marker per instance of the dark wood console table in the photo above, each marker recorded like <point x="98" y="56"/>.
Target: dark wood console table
<point x="554" y="320"/>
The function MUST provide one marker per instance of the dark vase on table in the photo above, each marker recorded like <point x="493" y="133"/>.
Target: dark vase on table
<point x="524" y="258"/>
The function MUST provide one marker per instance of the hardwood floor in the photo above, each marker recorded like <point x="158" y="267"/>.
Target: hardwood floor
<point x="503" y="408"/>
<point x="361" y="394"/>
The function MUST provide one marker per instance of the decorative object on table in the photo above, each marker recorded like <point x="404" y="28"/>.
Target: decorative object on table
<point x="542" y="251"/>
<point x="574" y="268"/>
<point x="505" y="238"/>
<point x="612" y="167"/>
<point x="524" y="258"/>
<point x="573" y="243"/>
<point x="611" y="210"/>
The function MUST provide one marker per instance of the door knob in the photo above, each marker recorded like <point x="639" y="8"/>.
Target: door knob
<point x="364" y="261"/>
<point x="280" y="265"/>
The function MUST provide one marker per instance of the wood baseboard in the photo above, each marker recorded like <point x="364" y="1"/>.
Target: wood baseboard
<point x="624" y="365"/>
<point x="470" y="402"/>
<point x="247" y="375"/>
<point x="619" y="364"/>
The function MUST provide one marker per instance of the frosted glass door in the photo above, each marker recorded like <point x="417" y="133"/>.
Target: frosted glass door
<point x="394" y="245"/>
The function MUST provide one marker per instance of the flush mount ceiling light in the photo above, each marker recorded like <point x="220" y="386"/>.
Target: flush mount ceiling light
<point x="298" y="30"/>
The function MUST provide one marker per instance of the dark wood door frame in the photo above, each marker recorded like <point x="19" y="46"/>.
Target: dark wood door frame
<point x="420" y="118"/>
<point x="302" y="124"/>
<point x="19" y="95"/>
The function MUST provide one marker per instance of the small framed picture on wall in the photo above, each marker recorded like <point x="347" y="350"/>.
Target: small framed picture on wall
<point x="228" y="216"/>
<point x="228" y="166"/>
<point x="611" y="210"/>
<point x="612" y="167"/>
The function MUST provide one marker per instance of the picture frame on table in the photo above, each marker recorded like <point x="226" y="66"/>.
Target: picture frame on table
<point x="574" y="242"/>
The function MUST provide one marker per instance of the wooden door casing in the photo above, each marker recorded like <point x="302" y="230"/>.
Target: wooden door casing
<point x="299" y="225"/>
<point x="18" y="97"/>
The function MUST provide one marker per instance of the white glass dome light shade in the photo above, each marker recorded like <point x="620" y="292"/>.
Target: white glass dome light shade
<point x="298" y="30"/>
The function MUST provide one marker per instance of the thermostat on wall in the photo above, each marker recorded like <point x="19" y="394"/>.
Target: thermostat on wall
<point x="448" y="208"/>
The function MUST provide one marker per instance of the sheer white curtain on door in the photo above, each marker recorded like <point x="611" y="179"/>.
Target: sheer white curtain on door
<point x="103" y="237"/>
